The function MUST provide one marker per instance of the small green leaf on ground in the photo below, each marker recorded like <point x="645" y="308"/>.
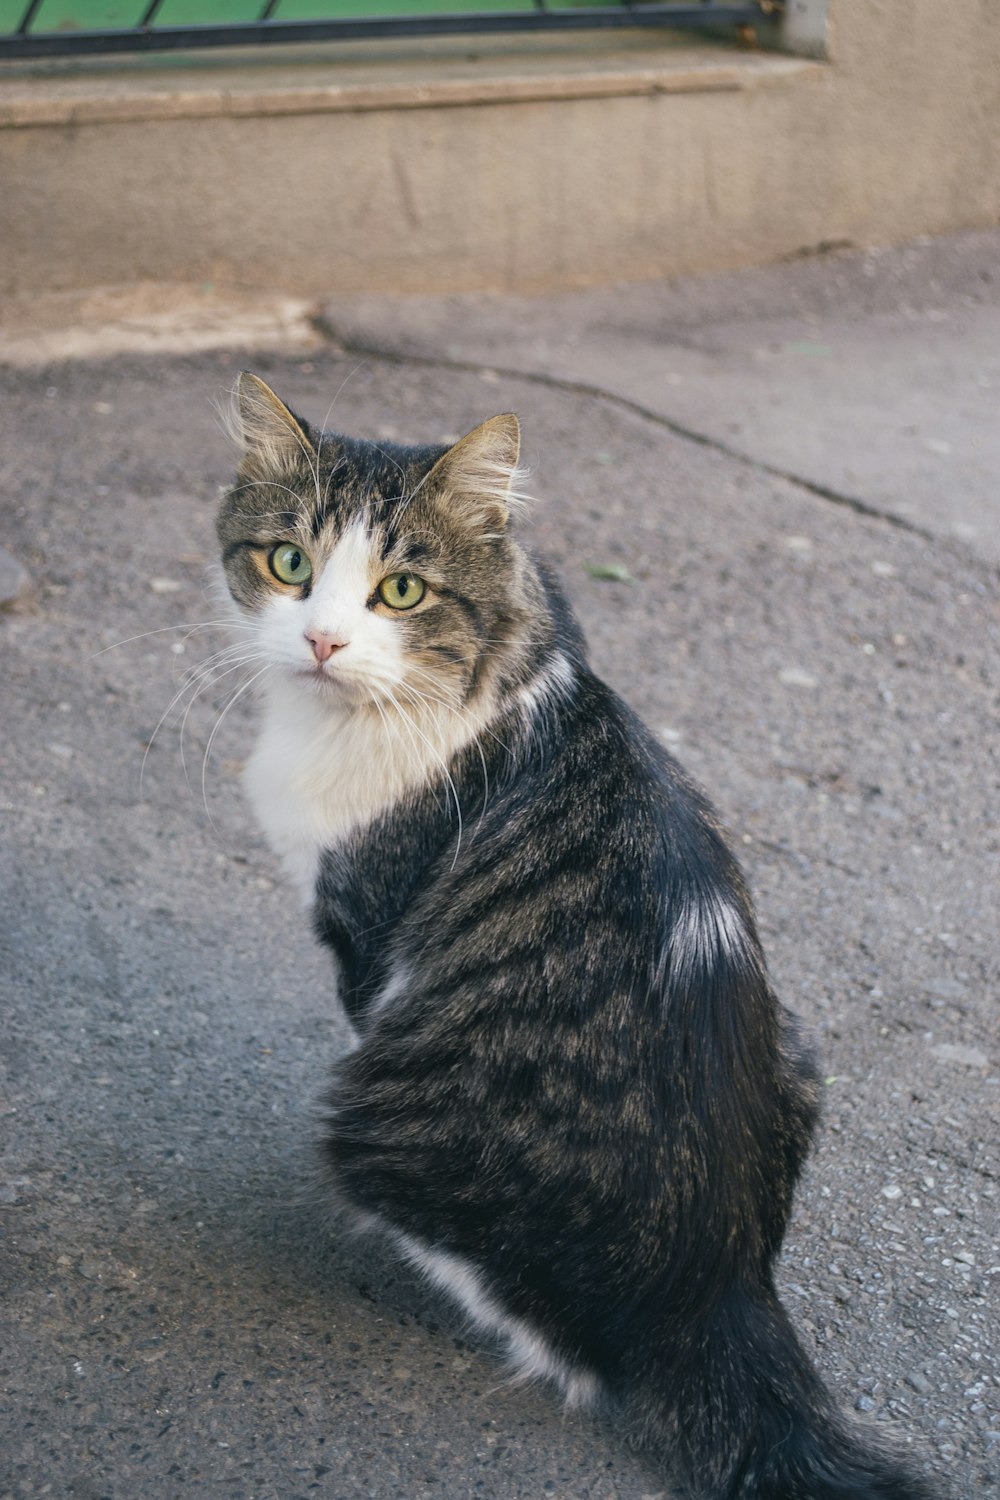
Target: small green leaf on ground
<point x="613" y="572"/>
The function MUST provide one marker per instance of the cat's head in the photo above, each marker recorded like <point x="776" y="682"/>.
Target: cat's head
<point x="368" y="571"/>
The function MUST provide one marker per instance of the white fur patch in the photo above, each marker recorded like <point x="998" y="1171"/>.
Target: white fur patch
<point x="398" y="983"/>
<point x="317" y="771"/>
<point x="328" y="760"/>
<point x="337" y="604"/>
<point x="528" y="1352"/>
<point x="554" y="680"/>
<point x="705" y="930"/>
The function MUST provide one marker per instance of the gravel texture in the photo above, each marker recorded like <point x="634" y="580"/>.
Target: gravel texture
<point x="180" y="1315"/>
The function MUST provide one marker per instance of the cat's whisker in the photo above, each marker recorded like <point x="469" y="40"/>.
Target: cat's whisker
<point x="215" y="730"/>
<point x="271" y="484"/>
<point x="192" y="677"/>
<point x="313" y="460"/>
<point x="323" y="501"/>
<point x="414" y="694"/>
<point x="223" y="652"/>
<point x="320" y="499"/>
<point x="358" y="365"/>
<point x="233" y="656"/>
<point x="198" y="678"/>
<point x="280" y="517"/>
<point x="459" y="709"/>
<point x="428" y="697"/>
<point x="391" y="729"/>
<point x="184" y="687"/>
<point x="409" y="499"/>
<point x="190" y="626"/>
<point x="441" y="762"/>
<point x="481" y="730"/>
<point x="395" y="463"/>
<point x="405" y="501"/>
<point x="204" y="682"/>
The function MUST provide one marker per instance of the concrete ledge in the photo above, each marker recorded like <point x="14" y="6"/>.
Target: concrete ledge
<point x="508" y="164"/>
<point x="419" y="77"/>
<point x="150" y="318"/>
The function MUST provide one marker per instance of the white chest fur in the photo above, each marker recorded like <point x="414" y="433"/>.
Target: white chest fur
<point x="320" y="770"/>
<point x="316" y="772"/>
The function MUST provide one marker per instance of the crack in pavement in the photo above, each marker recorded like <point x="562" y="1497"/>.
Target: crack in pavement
<point x="583" y="388"/>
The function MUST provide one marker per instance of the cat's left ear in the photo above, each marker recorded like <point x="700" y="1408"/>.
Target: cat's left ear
<point x="271" y="436"/>
<point x="478" y="477"/>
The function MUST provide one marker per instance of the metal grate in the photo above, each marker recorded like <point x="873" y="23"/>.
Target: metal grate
<point x="35" y="35"/>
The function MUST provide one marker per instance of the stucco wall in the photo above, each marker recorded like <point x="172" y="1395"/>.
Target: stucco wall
<point x="897" y="135"/>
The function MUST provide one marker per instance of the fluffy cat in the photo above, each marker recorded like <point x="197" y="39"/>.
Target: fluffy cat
<point x="574" y="1100"/>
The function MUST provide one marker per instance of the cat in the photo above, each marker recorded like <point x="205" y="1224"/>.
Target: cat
<point x="572" y="1098"/>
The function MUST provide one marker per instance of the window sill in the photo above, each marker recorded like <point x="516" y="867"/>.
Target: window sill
<point x="365" y="76"/>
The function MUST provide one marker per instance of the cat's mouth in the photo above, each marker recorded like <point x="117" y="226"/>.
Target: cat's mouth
<point x="317" y="677"/>
<point x="319" y="674"/>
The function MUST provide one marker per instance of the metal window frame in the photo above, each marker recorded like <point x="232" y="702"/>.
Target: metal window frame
<point x="146" y="36"/>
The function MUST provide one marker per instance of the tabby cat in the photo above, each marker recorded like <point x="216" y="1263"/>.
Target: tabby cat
<point x="573" y="1099"/>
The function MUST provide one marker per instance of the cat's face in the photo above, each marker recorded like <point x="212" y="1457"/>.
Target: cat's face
<point x="371" y="574"/>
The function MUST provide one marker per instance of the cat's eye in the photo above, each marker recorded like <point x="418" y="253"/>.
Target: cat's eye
<point x="289" y="563"/>
<point x="401" y="590"/>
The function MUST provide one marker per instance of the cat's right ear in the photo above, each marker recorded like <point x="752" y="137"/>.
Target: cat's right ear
<point x="479" y="476"/>
<point x="271" y="436"/>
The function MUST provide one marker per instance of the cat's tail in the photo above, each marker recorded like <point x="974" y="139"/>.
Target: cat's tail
<point x="736" y="1411"/>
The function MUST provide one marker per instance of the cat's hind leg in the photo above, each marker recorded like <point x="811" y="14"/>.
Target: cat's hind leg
<point x="529" y="1354"/>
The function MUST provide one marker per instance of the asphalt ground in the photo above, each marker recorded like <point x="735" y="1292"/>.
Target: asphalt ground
<point x="180" y="1315"/>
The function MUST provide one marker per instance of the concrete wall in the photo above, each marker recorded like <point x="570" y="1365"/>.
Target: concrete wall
<point x="501" y="179"/>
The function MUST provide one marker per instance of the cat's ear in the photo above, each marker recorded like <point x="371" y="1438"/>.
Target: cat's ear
<point x="270" y="435"/>
<point x="478" y="477"/>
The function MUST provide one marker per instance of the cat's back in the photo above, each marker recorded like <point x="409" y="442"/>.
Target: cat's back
<point x="549" y="986"/>
<point x="588" y="872"/>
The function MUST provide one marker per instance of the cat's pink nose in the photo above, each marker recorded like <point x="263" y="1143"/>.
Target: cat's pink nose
<point x="323" y="645"/>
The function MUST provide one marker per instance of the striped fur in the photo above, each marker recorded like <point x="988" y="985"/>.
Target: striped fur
<point x="575" y="1101"/>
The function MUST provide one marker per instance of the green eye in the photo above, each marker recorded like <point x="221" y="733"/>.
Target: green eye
<point x="401" y="590"/>
<point x="289" y="563"/>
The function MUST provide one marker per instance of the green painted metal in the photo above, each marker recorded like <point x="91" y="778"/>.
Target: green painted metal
<point x="100" y="15"/>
